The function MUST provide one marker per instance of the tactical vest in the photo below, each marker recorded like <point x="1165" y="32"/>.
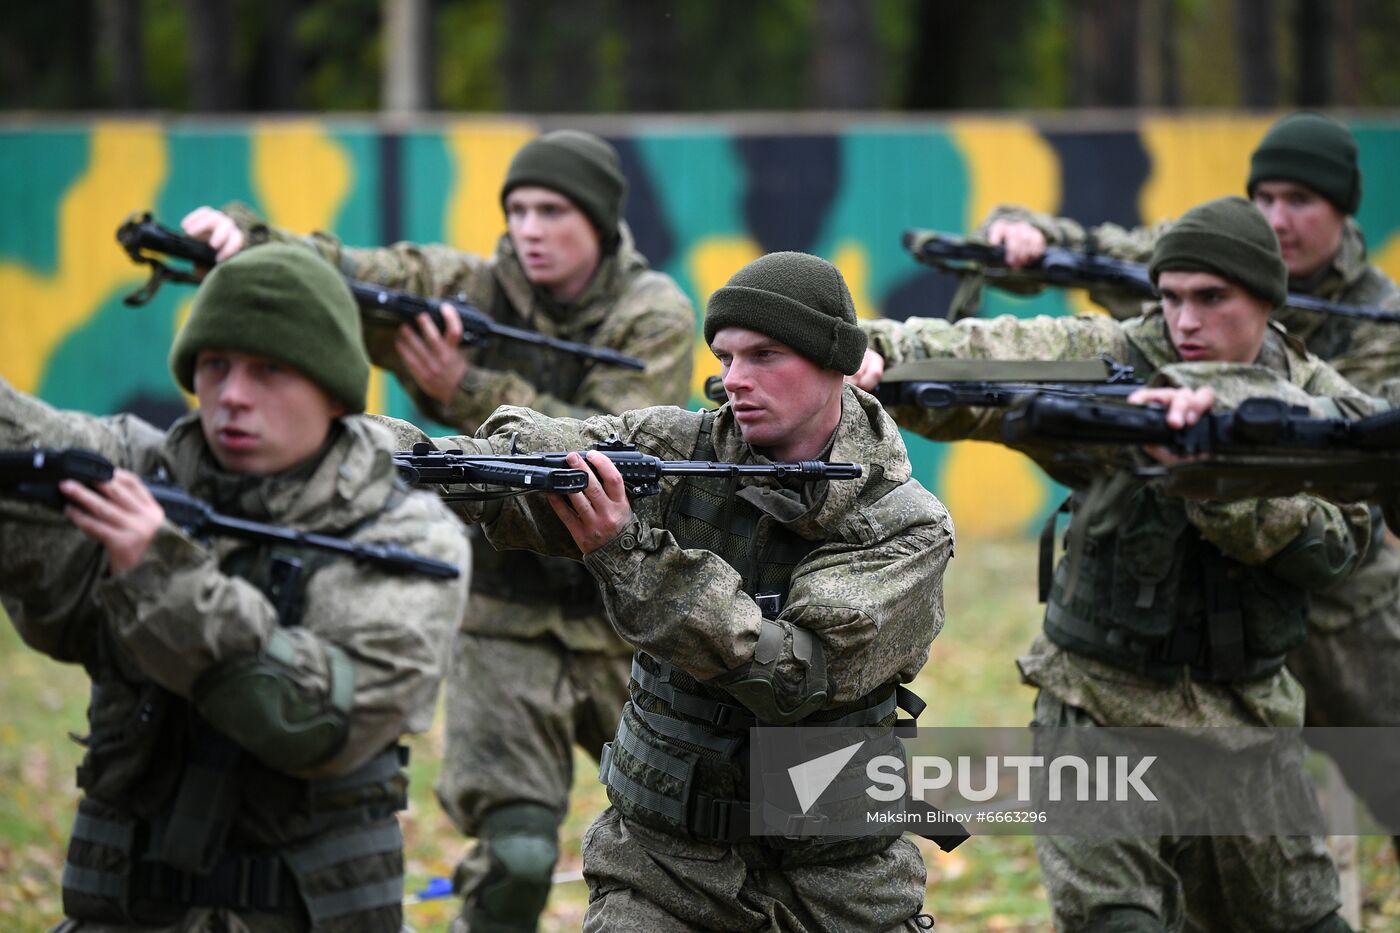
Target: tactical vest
<point x="679" y="762"/>
<point x="167" y="798"/>
<point x="524" y="577"/>
<point x="1142" y="590"/>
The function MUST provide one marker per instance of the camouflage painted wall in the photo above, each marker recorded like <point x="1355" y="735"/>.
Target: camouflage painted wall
<point x="704" y="201"/>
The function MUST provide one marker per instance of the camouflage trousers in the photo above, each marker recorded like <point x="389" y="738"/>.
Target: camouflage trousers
<point x="515" y="708"/>
<point x="644" y="881"/>
<point x="1225" y="883"/>
<point x="1352" y="678"/>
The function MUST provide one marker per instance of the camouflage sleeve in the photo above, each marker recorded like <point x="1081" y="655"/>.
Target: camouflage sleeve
<point x="48" y="568"/>
<point x="357" y="656"/>
<point x="653" y="322"/>
<point x="1085" y="337"/>
<point x="1372" y="355"/>
<point x="1133" y="244"/>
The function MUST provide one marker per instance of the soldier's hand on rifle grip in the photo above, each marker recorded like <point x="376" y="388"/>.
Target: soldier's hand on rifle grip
<point x="1184" y="408"/>
<point x="597" y="515"/>
<point x="434" y="358"/>
<point x="121" y="514"/>
<point x="872" y="370"/>
<point x="216" y="228"/>
<point x="1023" y="242"/>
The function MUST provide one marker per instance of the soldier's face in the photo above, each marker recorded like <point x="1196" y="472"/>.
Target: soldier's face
<point x="260" y="416"/>
<point x="784" y="404"/>
<point x="1308" y="226"/>
<point x="556" y="242"/>
<point x="1211" y="319"/>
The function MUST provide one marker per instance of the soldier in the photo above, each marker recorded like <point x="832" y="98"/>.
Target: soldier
<point x="1305" y="180"/>
<point x="849" y="573"/>
<point x="537" y="669"/>
<point x="242" y="768"/>
<point x="1139" y="615"/>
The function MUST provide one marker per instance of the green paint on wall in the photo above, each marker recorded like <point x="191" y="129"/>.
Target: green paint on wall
<point x="36" y="168"/>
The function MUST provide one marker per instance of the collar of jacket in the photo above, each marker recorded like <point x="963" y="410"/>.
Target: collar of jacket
<point x="614" y="274"/>
<point x="351" y="480"/>
<point x="822" y="511"/>
<point x="1281" y="352"/>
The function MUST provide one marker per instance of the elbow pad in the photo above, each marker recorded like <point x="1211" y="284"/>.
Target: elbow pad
<point x="1314" y="560"/>
<point x="756" y="684"/>
<point x="255" y="702"/>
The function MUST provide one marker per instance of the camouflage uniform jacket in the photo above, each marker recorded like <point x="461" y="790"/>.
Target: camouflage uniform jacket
<point x="1251" y="531"/>
<point x="871" y="590"/>
<point x="625" y="307"/>
<point x="1366" y="353"/>
<point x="176" y="616"/>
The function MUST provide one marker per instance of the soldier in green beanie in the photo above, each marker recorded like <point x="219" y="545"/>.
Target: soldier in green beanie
<point x="749" y="603"/>
<point x="537" y="667"/>
<point x="1305" y="178"/>
<point x="242" y="767"/>
<point x="1139" y="611"/>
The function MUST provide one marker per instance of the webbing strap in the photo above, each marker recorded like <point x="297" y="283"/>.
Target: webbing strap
<point x="1046" y="569"/>
<point x="368" y="896"/>
<point x="641" y="796"/>
<point x="683" y="730"/>
<point x="377" y="773"/>
<point x="657" y="758"/>
<point x="723" y="715"/>
<point x="108" y="833"/>
<point x="343" y="847"/>
<point x="94" y="882"/>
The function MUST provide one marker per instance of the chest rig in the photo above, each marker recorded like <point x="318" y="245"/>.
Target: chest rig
<point x="222" y="829"/>
<point x="524" y="577"/>
<point x="679" y="762"/>
<point x="1141" y="589"/>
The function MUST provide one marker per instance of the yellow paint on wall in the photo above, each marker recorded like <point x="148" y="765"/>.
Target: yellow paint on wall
<point x="126" y="167"/>
<point x="854" y="262"/>
<point x="481" y="153"/>
<point x="990" y="490"/>
<point x="1387" y="257"/>
<point x="1195" y="160"/>
<point x="711" y="263"/>
<point x="301" y="175"/>
<point x="1008" y="162"/>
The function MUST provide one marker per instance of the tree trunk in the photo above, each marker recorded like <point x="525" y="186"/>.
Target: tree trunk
<point x="212" y="86"/>
<point x="1313" y="33"/>
<point x="1105" y="64"/>
<point x="843" y="72"/>
<point x="1349" y="37"/>
<point x="408" y="56"/>
<point x="1256" y="47"/>
<point x="651" y="64"/>
<point x="1169" y="75"/>
<point x="121" y="27"/>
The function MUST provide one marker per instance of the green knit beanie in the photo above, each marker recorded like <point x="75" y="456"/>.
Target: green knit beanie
<point x="1229" y="238"/>
<point x="1314" y="151"/>
<point x="797" y="299"/>
<point x="286" y="303"/>
<point x="580" y="166"/>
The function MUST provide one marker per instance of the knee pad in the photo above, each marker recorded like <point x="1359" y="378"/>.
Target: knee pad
<point x="1124" y="920"/>
<point x="522" y="845"/>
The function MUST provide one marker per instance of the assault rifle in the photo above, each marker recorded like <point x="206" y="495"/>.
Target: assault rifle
<point x="953" y="383"/>
<point x="35" y="475"/>
<point x="1265" y="447"/>
<point x="1068" y="268"/>
<point x="144" y="240"/>
<point x="642" y="473"/>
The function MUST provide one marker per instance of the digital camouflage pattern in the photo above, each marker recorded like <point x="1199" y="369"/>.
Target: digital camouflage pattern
<point x="1344" y="672"/>
<point x="1321" y="541"/>
<point x="512" y="724"/>
<point x="871" y="591"/>
<point x="176" y="616"/>
<point x="1230" y="879"/>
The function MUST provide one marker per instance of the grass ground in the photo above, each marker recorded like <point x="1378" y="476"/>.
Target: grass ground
<point x="989" y="883"/>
